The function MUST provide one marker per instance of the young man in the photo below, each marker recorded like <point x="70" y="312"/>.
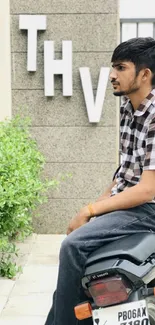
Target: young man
<point x="127" y="207"/>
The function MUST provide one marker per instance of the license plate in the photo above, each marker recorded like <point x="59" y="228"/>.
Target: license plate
<point x="133" y="313"/>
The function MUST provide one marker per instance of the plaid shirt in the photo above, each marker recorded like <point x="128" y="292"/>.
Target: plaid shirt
<point x="137" y="141"/>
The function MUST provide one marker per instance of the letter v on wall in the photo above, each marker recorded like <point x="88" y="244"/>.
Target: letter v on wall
<point x="94" y="107"/>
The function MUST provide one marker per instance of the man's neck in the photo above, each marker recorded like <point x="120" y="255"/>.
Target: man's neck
<point x="137" y="97"/>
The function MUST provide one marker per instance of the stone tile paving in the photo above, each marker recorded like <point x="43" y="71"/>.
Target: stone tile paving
<point x="26" y="300"/>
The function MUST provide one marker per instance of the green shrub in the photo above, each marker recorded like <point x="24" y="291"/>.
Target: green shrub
<point x="21" y="187"/>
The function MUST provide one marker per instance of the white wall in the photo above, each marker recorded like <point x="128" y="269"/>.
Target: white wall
<point x="137" y="8"/>
<point x="5" y="61"/>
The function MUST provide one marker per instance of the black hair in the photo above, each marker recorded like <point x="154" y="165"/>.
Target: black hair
<point x="140" y="51"/>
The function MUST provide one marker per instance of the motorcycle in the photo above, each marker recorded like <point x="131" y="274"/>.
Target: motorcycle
<point x="119" y="281"/>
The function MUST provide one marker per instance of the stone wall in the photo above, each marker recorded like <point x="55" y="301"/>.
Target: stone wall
<point x="59" y="124"/>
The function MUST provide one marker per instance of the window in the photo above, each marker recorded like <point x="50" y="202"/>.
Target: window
<point x="137" y="18"/>
<point x="137" y="28"/>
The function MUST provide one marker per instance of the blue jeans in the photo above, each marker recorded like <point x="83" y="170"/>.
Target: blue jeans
<point x="79" y="244"/>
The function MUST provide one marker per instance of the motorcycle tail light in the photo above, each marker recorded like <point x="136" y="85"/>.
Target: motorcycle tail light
<point x="109" y="291"/>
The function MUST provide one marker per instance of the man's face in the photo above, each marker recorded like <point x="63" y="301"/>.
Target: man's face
<point x="123" y="78"/>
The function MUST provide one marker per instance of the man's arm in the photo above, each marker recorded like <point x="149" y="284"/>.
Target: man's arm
<point x="139" y="194"/>
<point x="136" y="195"/>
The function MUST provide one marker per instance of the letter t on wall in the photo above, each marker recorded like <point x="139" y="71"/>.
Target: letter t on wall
<point x="32" y="23"/>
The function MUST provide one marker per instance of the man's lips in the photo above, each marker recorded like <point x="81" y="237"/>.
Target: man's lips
<point x="115" y="84"/>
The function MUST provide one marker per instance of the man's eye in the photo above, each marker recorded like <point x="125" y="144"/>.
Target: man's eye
<point x="120" y="68"/>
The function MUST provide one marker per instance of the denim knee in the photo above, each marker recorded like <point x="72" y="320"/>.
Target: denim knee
<point x="67" y="245"/>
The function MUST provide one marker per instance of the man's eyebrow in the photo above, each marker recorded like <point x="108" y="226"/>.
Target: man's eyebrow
<point x="117" y="64"/>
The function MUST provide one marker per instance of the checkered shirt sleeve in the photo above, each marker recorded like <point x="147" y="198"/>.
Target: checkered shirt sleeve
<point x="149" y="160"/>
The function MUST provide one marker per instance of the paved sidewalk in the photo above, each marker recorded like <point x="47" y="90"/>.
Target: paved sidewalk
<point x="26" y="300"/>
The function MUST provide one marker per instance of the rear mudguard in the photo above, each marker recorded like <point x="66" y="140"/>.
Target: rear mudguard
<point x="137" y="274"/>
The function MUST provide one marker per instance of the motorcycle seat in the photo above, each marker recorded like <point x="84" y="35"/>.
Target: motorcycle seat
<point x="137" y="247"/>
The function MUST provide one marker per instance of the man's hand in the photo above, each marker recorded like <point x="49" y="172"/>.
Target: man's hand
<point x="79" y="220"/>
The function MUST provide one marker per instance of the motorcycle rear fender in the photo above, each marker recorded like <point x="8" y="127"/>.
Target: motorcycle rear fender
<point x="138" y="275"/>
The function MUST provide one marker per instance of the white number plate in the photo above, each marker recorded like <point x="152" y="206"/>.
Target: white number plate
<point x="133" y="313"/>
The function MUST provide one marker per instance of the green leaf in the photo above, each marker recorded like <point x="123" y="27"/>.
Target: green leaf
<point x="22" y="187"/>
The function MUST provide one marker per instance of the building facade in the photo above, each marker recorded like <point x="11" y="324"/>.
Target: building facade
<point x="60" y="124"/>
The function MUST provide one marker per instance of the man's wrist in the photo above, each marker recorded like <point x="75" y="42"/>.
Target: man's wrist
<point x="85" y="213"/>
<point x="91" y="210"/>
<point x="88" y="211"/>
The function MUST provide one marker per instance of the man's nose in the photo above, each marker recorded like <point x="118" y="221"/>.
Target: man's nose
<point x="113" y="75"/>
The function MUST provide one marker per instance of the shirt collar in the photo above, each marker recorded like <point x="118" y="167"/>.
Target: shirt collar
<point x="126" y="105"/>
<point x="146" y="103"/>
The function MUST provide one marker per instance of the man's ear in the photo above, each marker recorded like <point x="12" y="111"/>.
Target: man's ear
<point x="146" y="73"/>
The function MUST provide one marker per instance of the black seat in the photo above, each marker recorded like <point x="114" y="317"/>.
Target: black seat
<point x="136" y="247"/>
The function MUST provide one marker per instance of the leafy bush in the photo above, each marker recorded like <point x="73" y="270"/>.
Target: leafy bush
<point x="21" y="187"/>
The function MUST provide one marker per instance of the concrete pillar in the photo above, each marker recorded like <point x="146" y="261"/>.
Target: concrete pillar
<point x="5" y="61"/>
<point x="60" y="124"/>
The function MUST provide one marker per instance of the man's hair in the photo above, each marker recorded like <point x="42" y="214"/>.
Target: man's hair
<point x="140" y="51"/>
